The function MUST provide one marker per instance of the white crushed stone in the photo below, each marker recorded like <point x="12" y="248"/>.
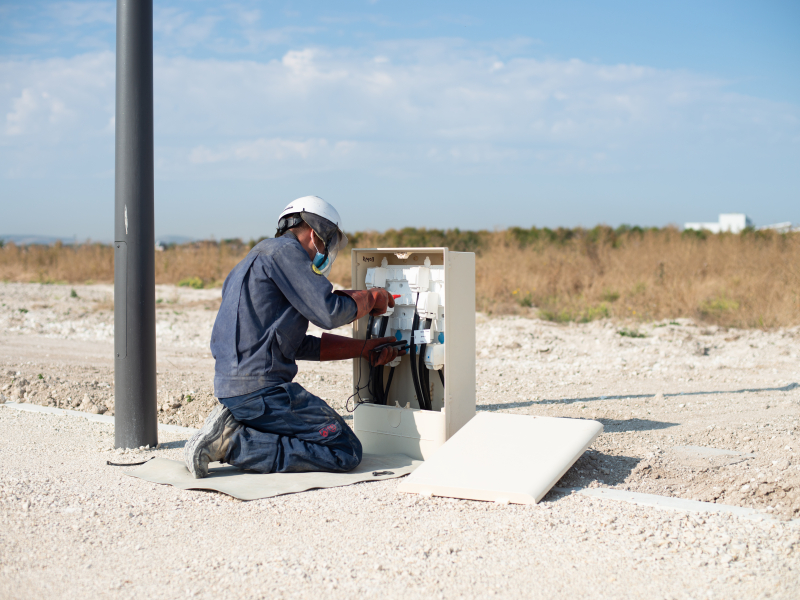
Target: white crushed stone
<point x="75" y="527"/>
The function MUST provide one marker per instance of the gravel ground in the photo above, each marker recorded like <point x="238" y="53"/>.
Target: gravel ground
<point x="660" y="397"/>
<point x="75" y="527"/>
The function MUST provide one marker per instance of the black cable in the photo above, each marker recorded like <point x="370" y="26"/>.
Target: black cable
<point x="428" y="385"/>
<point x="358" y="384"/>
<point x="370" y="323"/>
<point x="375" y="386"/>
<point x="441" y="375"/>
<point x="421" y="370"/>
<point x="424" y="375"/>
<point x="113" y="464"/>
<point x="383" y="326"/>
<point x="371" y="386"/>
<point x="382" y="395"/>
<point x="428" y="372"/>
<point x="414" y="376"/>
<point x="372" y="381"/>
<point x="389" y="383"/>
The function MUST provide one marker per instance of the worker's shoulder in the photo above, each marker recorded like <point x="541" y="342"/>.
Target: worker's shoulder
<point x="273" y="248"/>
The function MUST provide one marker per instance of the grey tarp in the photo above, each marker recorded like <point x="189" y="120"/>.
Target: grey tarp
<point x="251" y="486"/>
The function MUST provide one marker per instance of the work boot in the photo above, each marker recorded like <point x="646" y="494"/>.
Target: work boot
<point x="211" y="442"/>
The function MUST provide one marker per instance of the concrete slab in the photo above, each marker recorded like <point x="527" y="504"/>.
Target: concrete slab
<point x="707" y="451"/>
<point x="704" y="456"/>
<point x="88" y="416"/>
<point x="678" y="504"/>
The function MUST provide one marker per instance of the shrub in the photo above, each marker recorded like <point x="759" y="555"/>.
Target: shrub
<point x="610" y="295"/>
<point x="631" y="333"/>
<point x="748" y="280"/>
<point x="192" y="282"/>
<point x="718" y="306"/>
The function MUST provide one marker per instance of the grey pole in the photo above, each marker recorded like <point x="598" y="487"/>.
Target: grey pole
<point x="135" y="420"/>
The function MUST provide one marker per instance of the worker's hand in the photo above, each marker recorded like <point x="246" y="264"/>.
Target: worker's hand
<point x="383" y="356"/>
<point x="369" y="302"/>
<point x="337" y="347"/>
<point x="382" y="300"/>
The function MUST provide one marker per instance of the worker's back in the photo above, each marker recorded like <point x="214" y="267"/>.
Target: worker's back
<point x="268" y="300"/>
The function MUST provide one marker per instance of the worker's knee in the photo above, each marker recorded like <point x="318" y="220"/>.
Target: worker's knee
<point x="355" y="453"/>
<point x="347" y="449"/>
<point x="350" y="463"/>
<point x="347" y="460"/>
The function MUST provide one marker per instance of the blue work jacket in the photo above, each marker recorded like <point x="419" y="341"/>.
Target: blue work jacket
<point x="267" y="301"/>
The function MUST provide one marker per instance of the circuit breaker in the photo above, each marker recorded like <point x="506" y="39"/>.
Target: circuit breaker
<point x="417" y="402"/>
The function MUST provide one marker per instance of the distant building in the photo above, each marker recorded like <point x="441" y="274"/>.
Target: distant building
<point x="784" y="227"/>
<point x="730" y="222"/>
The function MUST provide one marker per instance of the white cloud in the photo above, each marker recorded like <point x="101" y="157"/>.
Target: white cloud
<point x="24" y="107"/>
<point x="44" y="100"/>
<point x="398" y="107"/>
<point x="262" y="150"/>
<point x="32" y="110"/>
<point x="74" y="14"/>
<point x="183" y="28"/>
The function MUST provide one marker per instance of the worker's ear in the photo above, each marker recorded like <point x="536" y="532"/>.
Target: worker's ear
<point x="318" y="241"/>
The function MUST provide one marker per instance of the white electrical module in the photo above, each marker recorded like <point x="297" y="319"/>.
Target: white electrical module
<point x="416" y="403"/>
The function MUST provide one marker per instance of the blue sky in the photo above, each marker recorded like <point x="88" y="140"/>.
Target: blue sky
<point x="447" y="114"/>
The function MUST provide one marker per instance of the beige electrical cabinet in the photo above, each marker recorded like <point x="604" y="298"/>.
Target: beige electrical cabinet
<point x="439" y="287"/>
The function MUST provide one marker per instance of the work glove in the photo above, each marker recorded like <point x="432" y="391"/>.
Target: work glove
<point x="336" y="347"/>
<point x="369" y="302"/>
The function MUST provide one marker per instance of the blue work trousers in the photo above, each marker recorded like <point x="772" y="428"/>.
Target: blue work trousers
<point x="289" y="430"/>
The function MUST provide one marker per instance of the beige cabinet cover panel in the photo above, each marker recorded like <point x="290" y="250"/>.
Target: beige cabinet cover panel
<point x="504" y="457"/>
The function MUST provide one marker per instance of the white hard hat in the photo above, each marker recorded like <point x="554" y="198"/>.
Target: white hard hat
<point x="326" y="223"/>
<point x="314" y="205"/>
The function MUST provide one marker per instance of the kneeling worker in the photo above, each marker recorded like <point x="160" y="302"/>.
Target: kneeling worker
<point x="265" y="422"/>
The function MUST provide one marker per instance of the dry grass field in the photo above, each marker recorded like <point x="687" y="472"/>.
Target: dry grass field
<point x="747" y="280"/>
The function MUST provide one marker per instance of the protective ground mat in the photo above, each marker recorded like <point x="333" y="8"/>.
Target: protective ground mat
<point x="252" y="486"/>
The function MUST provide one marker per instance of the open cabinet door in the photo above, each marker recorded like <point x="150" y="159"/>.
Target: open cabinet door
<point x="504" y="458"/>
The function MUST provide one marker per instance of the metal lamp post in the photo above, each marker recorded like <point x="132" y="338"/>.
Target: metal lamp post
<point x="135" y="408"/>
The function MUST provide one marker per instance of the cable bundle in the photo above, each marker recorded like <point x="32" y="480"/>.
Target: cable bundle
<point x="380" y="395"/>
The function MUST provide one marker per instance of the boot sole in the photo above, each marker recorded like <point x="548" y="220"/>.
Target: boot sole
<point x="211" y="430"/>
